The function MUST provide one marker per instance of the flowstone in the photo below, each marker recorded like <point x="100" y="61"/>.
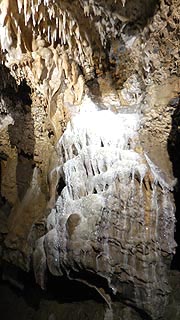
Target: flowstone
<point x="113" y="217"/>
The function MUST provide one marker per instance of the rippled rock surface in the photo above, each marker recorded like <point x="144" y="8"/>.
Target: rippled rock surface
<point x="112" y="225"/>
<point x="100" y="207"/>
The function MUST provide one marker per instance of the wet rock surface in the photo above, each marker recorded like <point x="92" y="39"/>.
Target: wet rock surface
<point x="99" y="207"/>
<point x="115" y="216"/>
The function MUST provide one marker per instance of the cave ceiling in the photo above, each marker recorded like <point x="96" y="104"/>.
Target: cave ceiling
<point x="58" y="57"/>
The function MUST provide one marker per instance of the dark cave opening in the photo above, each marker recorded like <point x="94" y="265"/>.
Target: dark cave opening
<point x="174" y="153"/>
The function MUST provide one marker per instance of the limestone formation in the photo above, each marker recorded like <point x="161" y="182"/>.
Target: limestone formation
<point x="110" y="218"/>
<point x="89" y="98"/>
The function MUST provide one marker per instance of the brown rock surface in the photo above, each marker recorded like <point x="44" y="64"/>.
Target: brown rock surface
<point x="56" y="58"/>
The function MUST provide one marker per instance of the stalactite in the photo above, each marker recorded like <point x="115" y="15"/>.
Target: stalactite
<point x="120" y="198"/>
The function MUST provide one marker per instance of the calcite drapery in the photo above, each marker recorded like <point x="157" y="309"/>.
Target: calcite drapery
<point x="114" y="217"/>
<point x="56" y="46"/>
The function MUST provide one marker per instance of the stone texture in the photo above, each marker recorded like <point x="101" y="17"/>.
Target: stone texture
<point x="114" y="217"/>
<point x="123" y="55"/>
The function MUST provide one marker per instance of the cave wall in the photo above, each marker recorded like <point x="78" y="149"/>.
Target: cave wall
<point x="55" y="54"/>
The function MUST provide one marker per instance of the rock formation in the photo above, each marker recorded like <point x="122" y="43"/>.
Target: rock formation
<point x="86" y="103"/>
<point x="114" y="217"/>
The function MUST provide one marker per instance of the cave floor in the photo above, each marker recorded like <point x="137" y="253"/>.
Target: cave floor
<point x="14" y="305"/>
<point x="32" y="304"/>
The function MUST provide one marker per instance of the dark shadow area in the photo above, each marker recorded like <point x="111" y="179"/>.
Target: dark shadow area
<point x="94" y="91"/>
<point x="72" y="290"/>
<point x="18" y="285"/>
<point x="17" y="102"/>
<point x="6" y="83"/>
<point x="61" y="293"/>
<point x="174" y="153"/>
<point x="61" y="289"/>
<point x="3" y="202"/>
<point x="61" y="185"/>
<point x="21" y="136"/>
